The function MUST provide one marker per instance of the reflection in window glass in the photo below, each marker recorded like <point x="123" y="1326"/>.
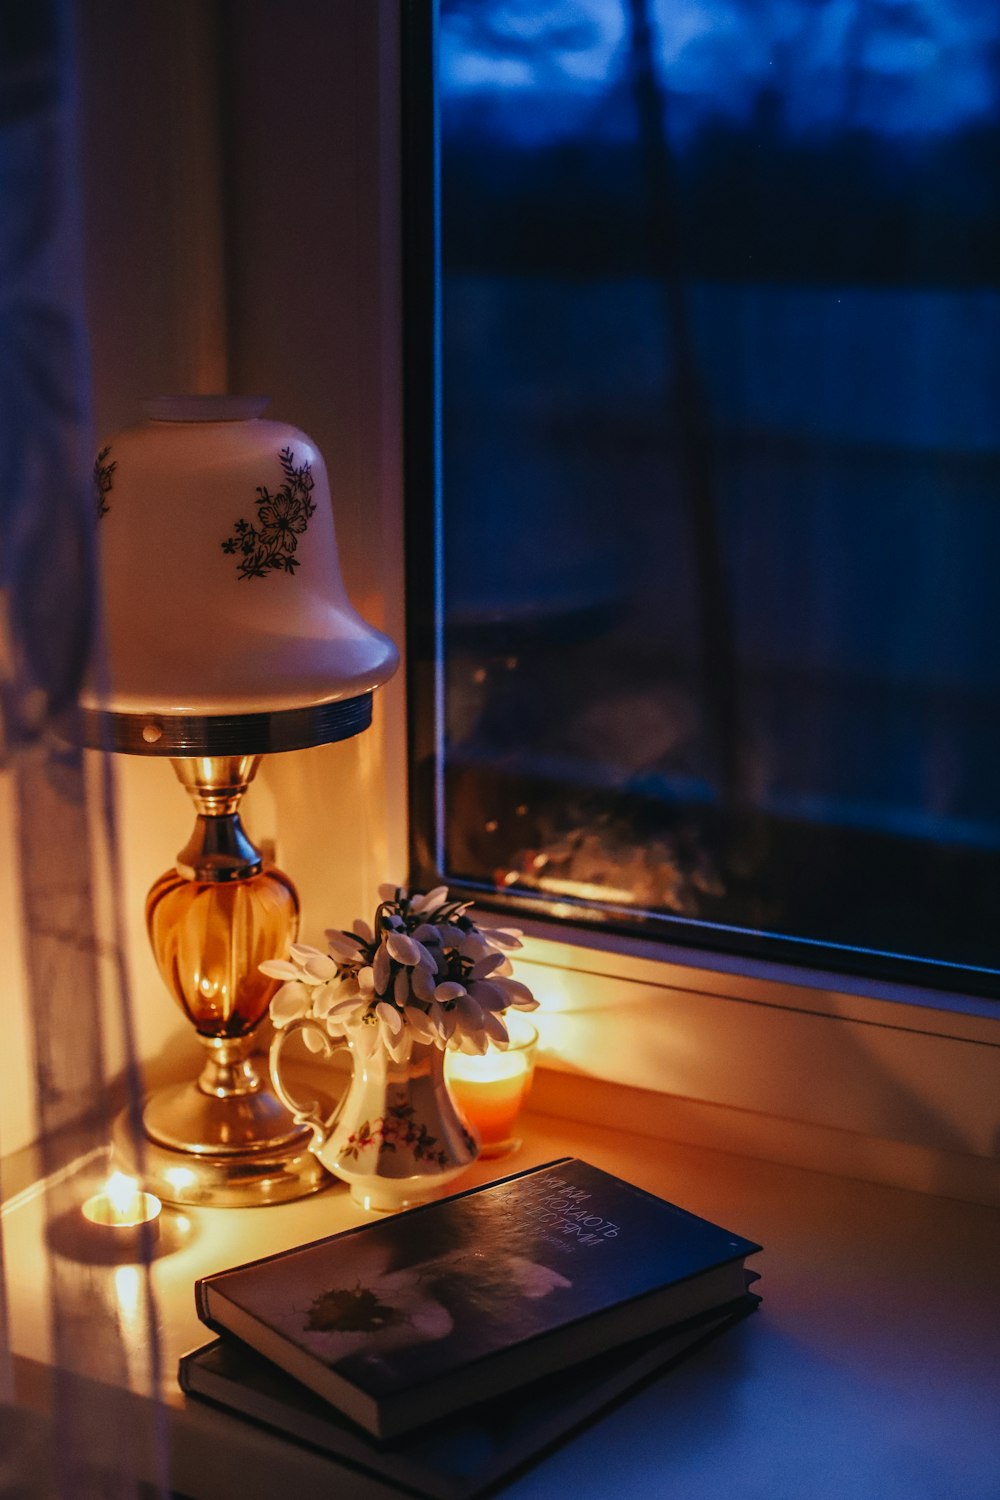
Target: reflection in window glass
<point x="721" y="465"/>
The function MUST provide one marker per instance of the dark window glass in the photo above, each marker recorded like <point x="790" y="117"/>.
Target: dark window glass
<point x="720" y="472"/>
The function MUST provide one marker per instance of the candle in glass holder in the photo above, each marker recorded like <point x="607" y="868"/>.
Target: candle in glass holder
<point x="128" y="1216"/>
<point x="491" y="1090"/>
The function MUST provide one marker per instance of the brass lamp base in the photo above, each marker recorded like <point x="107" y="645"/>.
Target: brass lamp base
<point x="182" y="1118"/>
<point x="229" y="1111"/>
<point x="271" y="1174"/>
<point x="226" y="1140"/>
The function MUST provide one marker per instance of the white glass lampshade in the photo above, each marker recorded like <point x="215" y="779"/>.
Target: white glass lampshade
<point x="222" y="589"/>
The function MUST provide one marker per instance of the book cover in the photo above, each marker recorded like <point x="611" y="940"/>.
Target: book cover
<point x="400" y="1319"/>
<point x="458" y="1457"/>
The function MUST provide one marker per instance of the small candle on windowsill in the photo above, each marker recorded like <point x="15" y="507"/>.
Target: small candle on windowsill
<point x="125" y="1217"/>
<point x="491" y="1090"/>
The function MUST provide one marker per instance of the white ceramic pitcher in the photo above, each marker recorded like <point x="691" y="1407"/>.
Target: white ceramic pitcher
<point x="396" y="1135"/>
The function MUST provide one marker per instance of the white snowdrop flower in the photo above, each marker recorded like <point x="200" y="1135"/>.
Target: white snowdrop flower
<point x="420" y="1023"/>
<point x="279" y="968"/>
<point x="444" y="1021"/>
<point x="345" y="1014"/>
<point x="494" y="1028"/>
<point x="389" y="1016"/>
<point x="422" y="983"/>
<point x="473" y="945"/>
<point x="437" y="897"/>
<point x="400" y="1046"/>
<point x="449" y="935"/>
<point x="290" y="1002"/>
<point x="343" y="945"/>
<point x="402" y="948"/>
<point x="488" y="995"/>
<point x="301" y="953"/>
<point x="365" y="1040"/>
<point x="424" y="955"/>
<point x="470" y="1011"/>
<point x="321" y="967"/>
<point x="449" y="990"/>
<point x="347" y="987"/>
<point x="518" y="994"/>
<point x="503" y="937"/>
<point x="474" y="1042"/>
<point x="430" y="975"/>
<point x="484" y="966"/>
<point x="324" y="997"/>
<point x="381" y="969"/>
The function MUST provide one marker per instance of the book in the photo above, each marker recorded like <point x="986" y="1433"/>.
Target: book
<point x="397" y="1321"/>
<point x="458" y="1456"/>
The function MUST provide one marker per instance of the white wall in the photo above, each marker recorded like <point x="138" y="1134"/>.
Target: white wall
<point x="315" y="321"/>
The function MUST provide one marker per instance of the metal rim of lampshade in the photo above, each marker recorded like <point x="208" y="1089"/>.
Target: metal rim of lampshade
<point x="176" y="736"/>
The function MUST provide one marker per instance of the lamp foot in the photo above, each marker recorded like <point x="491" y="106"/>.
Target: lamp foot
<point x="244" y="1176"/>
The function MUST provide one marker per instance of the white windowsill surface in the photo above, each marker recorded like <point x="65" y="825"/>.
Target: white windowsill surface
<point x="878" y="1082"/>
<point x="870" y="1372"/>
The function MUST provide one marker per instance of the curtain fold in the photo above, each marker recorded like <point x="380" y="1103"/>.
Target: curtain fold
<point x="73" y="1003"/>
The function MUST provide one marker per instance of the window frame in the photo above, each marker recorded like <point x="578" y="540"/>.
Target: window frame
<point x="923" y="1113"/>
<point x="421" y="364"/>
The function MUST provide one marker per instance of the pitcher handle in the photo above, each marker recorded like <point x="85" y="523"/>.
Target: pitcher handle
<point x="305" y="1113"/>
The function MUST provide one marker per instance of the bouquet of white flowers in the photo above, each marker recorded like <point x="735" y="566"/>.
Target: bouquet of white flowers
<point x="424" y="971"/>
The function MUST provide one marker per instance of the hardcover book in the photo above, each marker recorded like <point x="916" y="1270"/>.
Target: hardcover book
<point x="398" y="1321"/>
<point x="460" y="1455"/>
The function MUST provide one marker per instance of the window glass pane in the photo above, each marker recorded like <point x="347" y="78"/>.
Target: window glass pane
<point x="720" y="467"/>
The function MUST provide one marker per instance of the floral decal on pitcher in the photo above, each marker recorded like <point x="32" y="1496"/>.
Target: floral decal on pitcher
<point x="398" y="1129"/>
<point x="281" y="519"/>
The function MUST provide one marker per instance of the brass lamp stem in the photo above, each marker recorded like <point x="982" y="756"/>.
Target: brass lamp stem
<point x="230" y="1071"/>
<point x="219" y="848"/>
<point x="212" y="920"/>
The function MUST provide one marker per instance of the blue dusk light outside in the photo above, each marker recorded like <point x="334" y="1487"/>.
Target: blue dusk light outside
<point x="721" y="462"/>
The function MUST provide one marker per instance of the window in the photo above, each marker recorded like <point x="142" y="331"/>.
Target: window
<point x="717" y="654"/>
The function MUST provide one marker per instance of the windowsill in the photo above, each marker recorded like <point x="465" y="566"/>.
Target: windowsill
<point x="870" y="1370"/>
<point x="873" y="1081"/>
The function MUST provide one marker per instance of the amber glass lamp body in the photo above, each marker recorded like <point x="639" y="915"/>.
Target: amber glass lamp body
<point x="212" y="919"/>
<point x="210" y="938"/>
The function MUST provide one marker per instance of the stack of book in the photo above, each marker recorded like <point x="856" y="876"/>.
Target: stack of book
<point x="422" y="1347"/>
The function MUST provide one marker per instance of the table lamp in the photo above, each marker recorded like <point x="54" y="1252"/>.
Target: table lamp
<point x="228" y="634"/>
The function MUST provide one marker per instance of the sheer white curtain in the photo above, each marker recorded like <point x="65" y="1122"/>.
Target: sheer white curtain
<point x="72" y="1002"/>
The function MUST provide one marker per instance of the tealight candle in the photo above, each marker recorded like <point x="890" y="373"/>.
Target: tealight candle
<point x="128" y="1215"/>
<point x="491" y="1090"/>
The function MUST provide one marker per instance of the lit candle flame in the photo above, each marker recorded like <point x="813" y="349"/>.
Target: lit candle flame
<point x="125" y="1198"/>
<point x="121" y="1204"/>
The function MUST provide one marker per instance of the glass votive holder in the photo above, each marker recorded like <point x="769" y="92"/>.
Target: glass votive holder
<point x="121" y="1219"/>
<point x="491" y="1090"/>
